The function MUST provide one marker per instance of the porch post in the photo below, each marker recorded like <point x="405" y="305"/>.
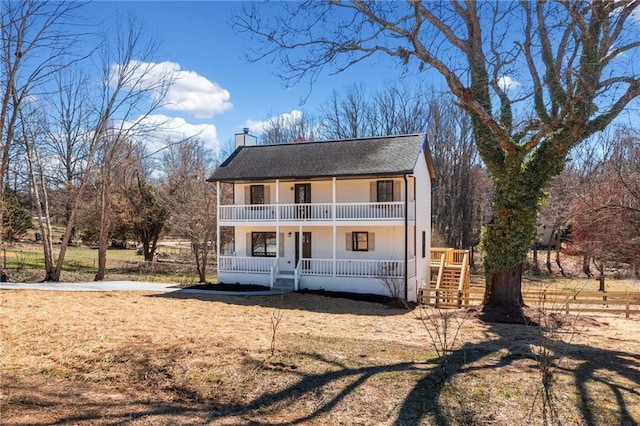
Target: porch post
<point x="277" y="199"/>
<point x="406" y="238"/>
<point x="217" y="225"/>
<point x="333" y="215"/>
<point x="277" y="220"/>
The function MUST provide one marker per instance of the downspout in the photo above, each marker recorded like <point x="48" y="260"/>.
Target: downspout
<point x="406" y="237"/>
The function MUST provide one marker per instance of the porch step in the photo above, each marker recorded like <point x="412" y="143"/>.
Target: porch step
<point x="284" y="283"/>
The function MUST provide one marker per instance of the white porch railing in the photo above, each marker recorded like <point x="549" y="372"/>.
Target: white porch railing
<point x="245" y="264"/>
<point x="317" y="266"/>
<point x="343" y="267"/>
<point x="354" y="268"/>
<point x="315" y="211"/>
<point x="370" y="268"/>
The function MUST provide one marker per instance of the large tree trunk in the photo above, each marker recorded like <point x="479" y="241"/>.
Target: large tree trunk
<point x="507" y="241"/>
<point x="105" y="225"/>
<point x="504" y="290"/>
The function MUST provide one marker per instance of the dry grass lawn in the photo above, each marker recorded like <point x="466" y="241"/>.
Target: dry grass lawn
<point x="151" y="359"/>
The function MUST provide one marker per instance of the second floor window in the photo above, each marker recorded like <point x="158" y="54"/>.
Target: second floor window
<point x="385" y="191"/>
<point x="256" y="194"/>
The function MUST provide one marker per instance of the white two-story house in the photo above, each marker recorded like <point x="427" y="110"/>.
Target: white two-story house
<point x="347" y="215"/>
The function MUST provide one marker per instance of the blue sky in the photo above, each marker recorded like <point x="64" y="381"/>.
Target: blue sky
<point x="225" y="92"/>
<point x="218" y="92"/>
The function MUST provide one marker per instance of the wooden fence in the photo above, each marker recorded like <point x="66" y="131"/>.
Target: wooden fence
<point x="626" y="302"/>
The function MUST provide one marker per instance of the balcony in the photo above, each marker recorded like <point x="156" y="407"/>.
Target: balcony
<point x="315" y="212"/>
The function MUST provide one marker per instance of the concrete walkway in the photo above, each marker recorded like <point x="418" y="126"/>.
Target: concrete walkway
<point x="128" y="286"/>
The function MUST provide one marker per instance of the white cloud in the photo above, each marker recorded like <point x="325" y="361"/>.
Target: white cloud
<point x="163" y="129"/>
<point x="507" y="83"/>
<point x="258" y="127"/>
<point x="189" y="92"/>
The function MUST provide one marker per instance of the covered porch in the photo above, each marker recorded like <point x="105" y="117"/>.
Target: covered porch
<point x="268" y="270"/>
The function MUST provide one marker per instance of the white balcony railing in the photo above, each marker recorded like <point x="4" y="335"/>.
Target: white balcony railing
<point x="311" y="211"/>
<point x="394" y="210"/>
<point x="315" y="211"/>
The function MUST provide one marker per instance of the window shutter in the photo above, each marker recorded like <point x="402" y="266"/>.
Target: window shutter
<point x="349" y="241"/>
<point x="396" y="190"/>
<point x="248" y="250"/>
<point x="373" y="191"/>
<point x="247" y="194"/>
<point x="372" y="241"/>
<point x="281" y="236"/>
<point x="267" y="198"/>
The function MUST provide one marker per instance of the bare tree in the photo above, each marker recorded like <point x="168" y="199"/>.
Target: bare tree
<point x="145" y="211"/>
<point x="287" y="128"/>
<point x="135" y="87"/>
<point x="399" y="111"/>
<point x="68" y="111"/>
<point x="190" y="199"/>
<point x="35" y="44"/>
<point x="457" y="166"/>
<point x="347" y="115"/>
<point x="605" y="214"/>
<point x="131" y="87"/>
<point x="563" y="61"/>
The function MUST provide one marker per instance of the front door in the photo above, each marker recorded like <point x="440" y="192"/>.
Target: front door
<point x="306" y="249"/>
<point x="302" y="195"/>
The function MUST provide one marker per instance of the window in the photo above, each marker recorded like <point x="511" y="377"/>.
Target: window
<point x="424" y="244"/>
<point x="360" y="241"/>
<point x="257" y="194"/>
<point x="263" y="244"/>
<point x="385" y="191"/>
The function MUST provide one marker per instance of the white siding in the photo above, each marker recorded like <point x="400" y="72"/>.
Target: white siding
<point x="423" y="222"/>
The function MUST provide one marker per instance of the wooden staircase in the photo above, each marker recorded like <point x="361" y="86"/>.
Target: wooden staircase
<point x="449" y="283"/>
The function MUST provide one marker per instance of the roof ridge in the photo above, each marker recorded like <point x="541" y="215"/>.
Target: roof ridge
<point x="336" y="140"/>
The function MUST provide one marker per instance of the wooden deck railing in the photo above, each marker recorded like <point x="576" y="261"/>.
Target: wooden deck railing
<point x="627" y="302"/>
<point x="452" y="256"/>
<point x="450" y="274"/>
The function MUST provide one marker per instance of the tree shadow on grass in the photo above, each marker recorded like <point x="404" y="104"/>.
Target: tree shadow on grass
<point x="295" y="302"/>
<point x="423" y="402"/>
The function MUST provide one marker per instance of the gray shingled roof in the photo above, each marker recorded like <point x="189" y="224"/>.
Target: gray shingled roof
<point x="350" y="157"/>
